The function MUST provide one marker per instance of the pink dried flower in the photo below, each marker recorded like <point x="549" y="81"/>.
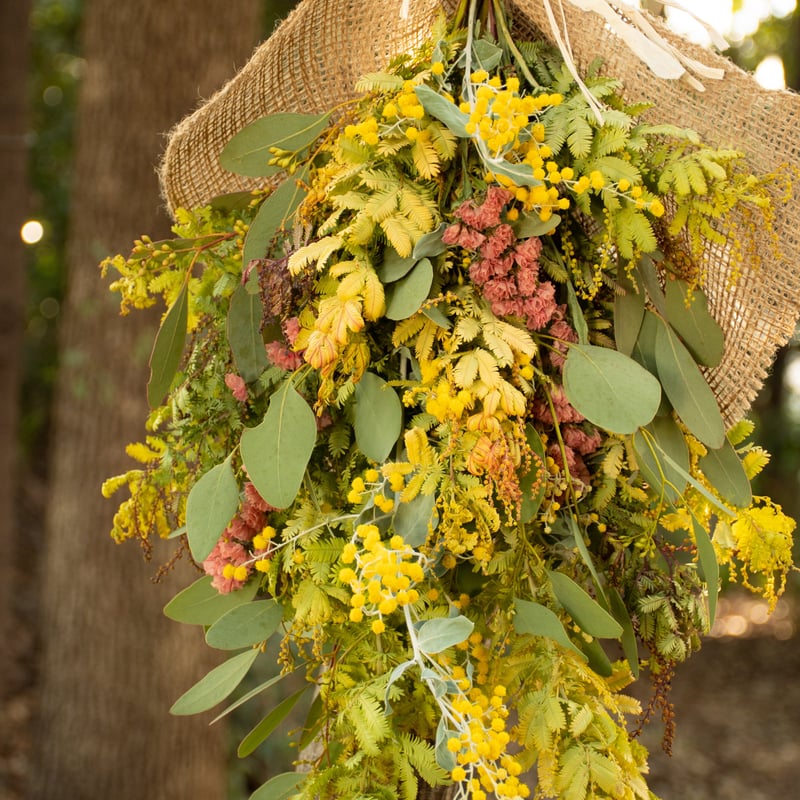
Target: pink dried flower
<point x="237" y="386"/>
<point x="291" y="329"/>
<point x="282" y="357"/>
<point x="225" y="554"/>
<point x="527" y="252"/>
<point x="540" y="308"/>
<point x="463" y="236"/>
<point x="501" y="238"/>
<point x="581" y="441"/>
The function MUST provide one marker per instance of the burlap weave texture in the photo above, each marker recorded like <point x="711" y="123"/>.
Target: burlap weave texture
<point x="314" y="58"/>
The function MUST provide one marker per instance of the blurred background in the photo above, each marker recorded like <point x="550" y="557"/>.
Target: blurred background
<point x="88" y="665"/>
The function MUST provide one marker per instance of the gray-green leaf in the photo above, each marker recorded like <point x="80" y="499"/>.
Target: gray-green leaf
<point x="267" y="725"/>
<point x="211" y="504"/>
<point x="201" y="604"/>
<point x="405" y="296"/>
<point x="277" y="451"/>
<point x="661" y="436"/>
<point x="168" y="348"/>
<point x="443" y="110"/>
<point x="378" y="417"/>
<point x="585" y="611"/>
<point x="725" y="472"/>
<point x="687" y="389"/>
<point x="215" y="686"/>
<point x="245" y="625"/>
<point x="248" y="152"/>
<point x="244" y="334"/>
<point x="538" y="620"/>
<point x="274" y="215"/>
<point x="609" y="389"/>
<point x="699" y="331"/>
<point x="436" y="635"/>
<point x="281" y="787"/>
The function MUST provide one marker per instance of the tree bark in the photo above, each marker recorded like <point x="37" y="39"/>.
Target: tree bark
<point x="112" y="664"/>
<point x="14" y="127"/>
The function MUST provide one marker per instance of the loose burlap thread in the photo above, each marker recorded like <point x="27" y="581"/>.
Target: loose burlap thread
<point x="317" y="54"/>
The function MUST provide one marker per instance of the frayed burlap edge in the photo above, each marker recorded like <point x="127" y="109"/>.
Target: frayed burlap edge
<point x="314" y="58"/>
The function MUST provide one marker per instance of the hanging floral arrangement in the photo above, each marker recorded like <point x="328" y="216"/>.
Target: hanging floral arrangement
<point x="435" y="407"/>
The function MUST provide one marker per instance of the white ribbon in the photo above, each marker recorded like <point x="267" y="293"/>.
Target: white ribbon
<point x="664" y="59"/>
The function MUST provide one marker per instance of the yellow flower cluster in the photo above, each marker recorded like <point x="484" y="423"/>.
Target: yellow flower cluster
<point x="367" y="130"/>
<point x="763" y="541"/>
<point x="383" y="576"/>
<point x="405" y="105"/>
<point x="483" y="764"/>
<point x="499" y="114"/>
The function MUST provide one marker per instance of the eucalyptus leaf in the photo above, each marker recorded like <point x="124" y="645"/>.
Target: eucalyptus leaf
<point x="628" y="317"/>
<point x="538" y="620"/>
<point x="394" y="266"/>
<point x="576" y="313"/>
<point x="699" y="331"/>
<point x="587" y="613"/>
<point x="245" y="625"/>
<point x="405" y="296"/>
<point x="484" y="54"/>
<point x="201" y="604"/>
<point x="586" y="556"/>
<point x="630" y="645"/>
<point x="395" y="676"/>
<point x="277" y="451"/>
<point x="267" y="725"/>
<point x="647" y="271"/>
<point x="280" y="787"/>
<point x="244" y="334"/>
<point x="248" y="152"/>
<point x="170" y="340"/>
<point x="442" y="109"/>
<point x="531" y="224"/>
<point x="598" y="660"/>
<point x="521" y="174"/>
<point x="414" y="519"/>
<point x="378" y="417"/>
<point x="687" y="389"/>
<point x="709" y="566"/>
<point x="609" y="389"/>
<point x="445" y="757"/>
<point x="644" y="350"/>
<point x="211" y="504"/>
<point x="430" y="244"/>
<point x="436" y="635"/>
<point x="663" y="435"/>
<point x="315" y="719"/>
<point x="533" y="484"/>
<point x="274" y="215"/>
<point x="215" y="686"/>
<point x="435" y="314"/>
<point x="262" y="687"/>
<point x="725" y="472"/>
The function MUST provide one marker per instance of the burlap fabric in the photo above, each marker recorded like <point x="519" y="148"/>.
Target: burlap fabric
<point x="314" y="58"/>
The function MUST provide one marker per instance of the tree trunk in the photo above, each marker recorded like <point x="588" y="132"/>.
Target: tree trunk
<point x="112" y="664"/>
<point x="14" y="126"/>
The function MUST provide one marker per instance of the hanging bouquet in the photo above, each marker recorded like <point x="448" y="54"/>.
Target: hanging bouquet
<point x="442" y="422"/>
